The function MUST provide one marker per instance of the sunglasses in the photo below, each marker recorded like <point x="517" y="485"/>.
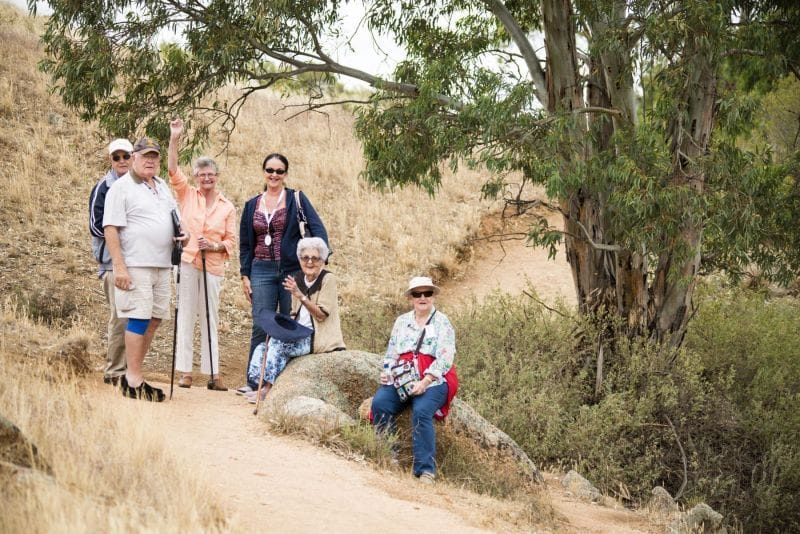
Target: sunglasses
<point x="312" y="259"/>
<point x="270" y="170"/>
<point x="117" y="157"/>
<point x="418" y="294"/>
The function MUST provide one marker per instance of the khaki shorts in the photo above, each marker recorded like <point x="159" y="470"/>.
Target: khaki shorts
<point x="149" y="297"/>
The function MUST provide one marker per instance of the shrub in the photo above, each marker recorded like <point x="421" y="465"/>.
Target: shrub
<point x="716" y="421"/>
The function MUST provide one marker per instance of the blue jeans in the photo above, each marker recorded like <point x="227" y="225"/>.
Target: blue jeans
<point x="266" y="282"/>
<point x="386" y="404"/>
<point x="278" y="355"/>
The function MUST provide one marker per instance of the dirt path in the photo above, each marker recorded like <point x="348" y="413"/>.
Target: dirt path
<point x="287" y="485"/>
<point x="510" y="266"/>
<point x="283" y="484"/>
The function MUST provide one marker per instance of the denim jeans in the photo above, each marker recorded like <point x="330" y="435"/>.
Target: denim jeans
<point x="266" y="281"/>
<point x="278" y="355"/>
<point x="386" y="404"/>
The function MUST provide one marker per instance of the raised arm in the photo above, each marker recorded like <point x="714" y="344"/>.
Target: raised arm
<point x="175" y="131"/>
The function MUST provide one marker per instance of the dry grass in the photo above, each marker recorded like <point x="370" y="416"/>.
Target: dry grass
<point x="110" y="472"/>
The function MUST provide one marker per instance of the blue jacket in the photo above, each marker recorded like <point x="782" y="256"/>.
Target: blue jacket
<point x="97" y="204"/>
<point x="291" y="235"/>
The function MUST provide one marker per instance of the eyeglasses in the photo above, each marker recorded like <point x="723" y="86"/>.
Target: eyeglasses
<point x="270" y="170"/>
<point x="117" y="157"/>
<point x="418" y="294"/>
<point x="312" y="259"/>
<point x="206" y="175"/>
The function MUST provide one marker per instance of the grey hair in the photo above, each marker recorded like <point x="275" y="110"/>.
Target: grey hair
<point x="203" y="162"/>
<point x="316" y="243"/>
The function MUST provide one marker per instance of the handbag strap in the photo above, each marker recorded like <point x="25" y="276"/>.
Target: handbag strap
<point x="422" y="335"/>
<point x="301" y="215"/>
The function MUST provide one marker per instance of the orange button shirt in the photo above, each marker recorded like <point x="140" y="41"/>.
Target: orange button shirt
<point x="217" y="224"/>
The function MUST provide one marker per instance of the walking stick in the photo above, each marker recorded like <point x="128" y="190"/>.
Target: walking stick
<point x="261" y="378"/>
<point x="176" y="260"/>
<point x="211" y="384"/>
<point x="175" y="329"/>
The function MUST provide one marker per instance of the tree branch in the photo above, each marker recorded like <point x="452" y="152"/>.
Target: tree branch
<point x="498" y="8"/>
<point x="683" y="458"/>
<point x="598" y="246"/>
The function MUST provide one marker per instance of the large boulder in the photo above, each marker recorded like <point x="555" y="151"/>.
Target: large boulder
<point x="580" y="487"/>
<point x="468" y="446"/>
<point x="701" y="518"/>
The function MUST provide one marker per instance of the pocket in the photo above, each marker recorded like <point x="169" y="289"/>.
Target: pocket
<point x="124" y="300"/>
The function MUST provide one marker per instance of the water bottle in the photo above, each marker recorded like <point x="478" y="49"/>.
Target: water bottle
<point x="387" y="372"/>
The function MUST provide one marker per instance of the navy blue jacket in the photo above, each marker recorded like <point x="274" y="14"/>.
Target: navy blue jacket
<point x="291" y="234"/>
<point x="97" y="203"/>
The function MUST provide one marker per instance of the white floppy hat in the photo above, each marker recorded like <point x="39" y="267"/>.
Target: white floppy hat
<point x="120" y="144"/>
<point x="419" y="282"/>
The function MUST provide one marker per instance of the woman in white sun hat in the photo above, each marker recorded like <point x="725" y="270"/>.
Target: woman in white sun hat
<point x="418" y="371"/>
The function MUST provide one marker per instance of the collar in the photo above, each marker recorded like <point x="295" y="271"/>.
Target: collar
<point x="140" y="180"/>
<point x="316" y="286"/>
<point x="413" y="316"/>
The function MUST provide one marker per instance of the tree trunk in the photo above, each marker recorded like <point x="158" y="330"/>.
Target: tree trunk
<point x="655" y="303"/>
<point x="690" y="134"/>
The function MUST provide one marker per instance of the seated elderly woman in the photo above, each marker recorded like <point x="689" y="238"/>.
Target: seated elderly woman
<point x="418" y="371"/>
<point x="315" y="304"/>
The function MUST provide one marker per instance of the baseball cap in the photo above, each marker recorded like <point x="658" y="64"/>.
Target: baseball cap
<point x="120" y="144"/>
<point x="145" y="145"/>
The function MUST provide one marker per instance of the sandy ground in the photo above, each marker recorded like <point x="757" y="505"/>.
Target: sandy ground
<point x="277" y="483"/>
<point x="503" y="261"/>
<point x="281" y="484"/>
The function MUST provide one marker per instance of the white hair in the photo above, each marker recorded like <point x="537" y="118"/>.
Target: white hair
<point x="316" y="243"/>
<point x="204" y="162"/>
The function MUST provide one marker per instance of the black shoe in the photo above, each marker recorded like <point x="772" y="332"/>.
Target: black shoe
<point x="144" y="392"/>
<point x="111" y="380"/>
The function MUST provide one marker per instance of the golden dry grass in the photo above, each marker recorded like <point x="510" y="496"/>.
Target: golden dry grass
<point x="108" y="474"/>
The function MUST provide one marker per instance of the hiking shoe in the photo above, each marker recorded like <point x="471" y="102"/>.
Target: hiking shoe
<point x="427" y="478"/>
<point x="113" y="380"/>
<point x="185" y="381"/>
<point x="143" y="392"/>
<point x="215" y="384"/>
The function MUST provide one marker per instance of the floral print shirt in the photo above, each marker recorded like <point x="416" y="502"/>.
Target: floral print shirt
<point x="439" y="342"/>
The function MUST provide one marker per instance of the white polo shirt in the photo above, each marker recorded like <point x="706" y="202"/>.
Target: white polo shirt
<point x="143" y="216"/>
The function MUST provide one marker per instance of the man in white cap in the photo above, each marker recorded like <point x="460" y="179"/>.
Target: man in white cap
<point x="140" y="238"/>
<point x="119" y="155"/>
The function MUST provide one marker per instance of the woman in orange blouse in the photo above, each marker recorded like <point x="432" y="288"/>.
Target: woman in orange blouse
<point x="210" y="219"/>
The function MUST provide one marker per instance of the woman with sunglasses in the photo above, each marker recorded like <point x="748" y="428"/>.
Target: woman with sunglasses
<point x="315" y="305"/>
<point x="210" y="219"/>
<point x="268" y="235"/>
<point x="418" y="371"/>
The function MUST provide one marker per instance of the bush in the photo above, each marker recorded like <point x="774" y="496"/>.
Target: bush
<point x="726" y="406"/>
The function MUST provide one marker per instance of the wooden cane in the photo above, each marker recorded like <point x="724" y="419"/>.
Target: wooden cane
<point x="261" y="378"/>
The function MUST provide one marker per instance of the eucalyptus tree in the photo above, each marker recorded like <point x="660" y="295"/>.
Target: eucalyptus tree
<point x="627" y="111"/>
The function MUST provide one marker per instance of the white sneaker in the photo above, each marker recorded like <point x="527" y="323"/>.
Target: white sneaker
<point x="427" y="478"/>
<point x="244" y="389"/>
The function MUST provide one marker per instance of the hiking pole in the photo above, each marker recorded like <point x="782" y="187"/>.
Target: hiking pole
<point x="177" y="250"/>
<point x="175" y="329"/>
<point x="261" y="378"/>
<point x="211" y="384"/>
